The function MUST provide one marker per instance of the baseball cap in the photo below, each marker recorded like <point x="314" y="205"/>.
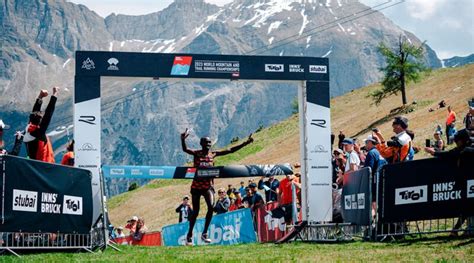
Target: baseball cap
<point x="348" y="141"/>
<point x="134" y="218"/>
<point x="4" y="126"/>
<point x="370" y="138"/>
<point x="402" y="121"/>
<point x="186" y="197"/>
<point x="338" y="151"/>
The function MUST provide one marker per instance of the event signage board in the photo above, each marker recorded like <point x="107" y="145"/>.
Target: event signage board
<point x="234" y="227"/>
<point x="181" y="172"/>
<point x="356" y="197"/>
<point x="425" y="189"/>
<point x="44" y="197"/>
<point x="311" y="73"/>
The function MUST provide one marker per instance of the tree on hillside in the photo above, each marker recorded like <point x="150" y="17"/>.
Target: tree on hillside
<point x="403" y="66"/>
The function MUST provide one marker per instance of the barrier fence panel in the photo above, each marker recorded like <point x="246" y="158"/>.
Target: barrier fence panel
<point x="424" y="196"/>
<point x="269" y="229"/>
<point x="45" y="206"/>
<point x="356" y="199"/>
<point x="234" y="227"/>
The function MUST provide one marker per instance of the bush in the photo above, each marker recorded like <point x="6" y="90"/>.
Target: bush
<point x="133" y="186"/>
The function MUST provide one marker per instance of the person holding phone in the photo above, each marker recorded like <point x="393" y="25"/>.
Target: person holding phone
<point x="204" y="158"/>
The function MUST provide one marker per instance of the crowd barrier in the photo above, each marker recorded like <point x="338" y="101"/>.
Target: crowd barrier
<point x="46" y="206"/>
<point x="269" y="229"/>
<point x="234" y="227"/>
<point x="412" y="198"/>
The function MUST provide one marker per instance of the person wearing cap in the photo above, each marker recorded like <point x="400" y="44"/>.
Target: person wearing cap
<point x="16" y="147"/>
<point x="204" y="158"/>
<point x="185" y="210"/>
<point x="132" y="224"/>
<point x="398" y="148"/>
<point x="256" y="199"/>
<point x="450" y="123"/>
<point x="271" y="188"/>
<point x="353" y="160"/>
<point x="38" y="145"/>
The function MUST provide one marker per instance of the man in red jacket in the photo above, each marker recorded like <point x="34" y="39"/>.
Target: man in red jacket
<point x="38" y="145"/>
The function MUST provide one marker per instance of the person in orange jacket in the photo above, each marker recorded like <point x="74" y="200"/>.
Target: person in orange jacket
<point x="397" y="149"/>
<point x="68" y="157"/>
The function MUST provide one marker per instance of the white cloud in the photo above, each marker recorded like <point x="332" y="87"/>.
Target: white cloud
<point x="423" y="9"/>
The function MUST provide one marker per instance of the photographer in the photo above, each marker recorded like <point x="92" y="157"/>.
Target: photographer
<point x="397" y="149"/>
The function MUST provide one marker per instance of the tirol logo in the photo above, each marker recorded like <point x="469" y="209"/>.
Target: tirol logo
<point x="26" y="201"/>
<point x="88" y="147"/>
<point x="470" y="188"/>
<point x="113" y="64"/>
<point x="88" y="64"/>
<point x="87" y="119"/>
<point x="181" y="65"/>
<point x="72" y="205"/>
<point x="318" y="69"/>
<point x="274" y="68"/>
<point x="411" y="195"/>
<point x="319" y="123"/>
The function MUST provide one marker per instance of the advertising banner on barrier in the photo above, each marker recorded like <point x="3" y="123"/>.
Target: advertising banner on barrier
<point x="234" y="227"/>
<point x="425" y="189"/>
<point x="269" y="229"/>
<point x="150" y="239"/>
<point x="44" y="197"/>
<point x="356" y="197"/>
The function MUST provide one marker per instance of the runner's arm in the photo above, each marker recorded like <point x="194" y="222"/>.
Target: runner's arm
<point x="235" y="148"/>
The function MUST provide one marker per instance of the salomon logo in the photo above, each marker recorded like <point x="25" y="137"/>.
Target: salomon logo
<point x="411" y="195"/>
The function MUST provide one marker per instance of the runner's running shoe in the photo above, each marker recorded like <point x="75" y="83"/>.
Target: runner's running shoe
<point x="205" y="238"/>
<point x="189" y="241"/>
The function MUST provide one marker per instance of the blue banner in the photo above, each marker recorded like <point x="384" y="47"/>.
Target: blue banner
<point x="234" y="227"/>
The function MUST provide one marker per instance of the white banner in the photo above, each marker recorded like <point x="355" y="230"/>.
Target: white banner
<point x="87" y="134"/>
<point x="318" y="156"/>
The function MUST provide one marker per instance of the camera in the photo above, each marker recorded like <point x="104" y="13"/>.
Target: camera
<point x="394" y="143"/>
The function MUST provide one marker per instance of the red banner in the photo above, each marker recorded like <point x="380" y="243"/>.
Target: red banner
<point x="149" y="239"/>
<point x="269" y="229"/>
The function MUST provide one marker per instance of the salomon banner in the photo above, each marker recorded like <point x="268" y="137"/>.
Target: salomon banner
<point x="426" y="189"/>
<point x="356" y="197"/>
<point x="44" y="197"/>
<point x="234" y="227"/>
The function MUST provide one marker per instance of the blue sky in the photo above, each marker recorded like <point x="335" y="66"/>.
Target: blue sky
<point x="446" y="25"/>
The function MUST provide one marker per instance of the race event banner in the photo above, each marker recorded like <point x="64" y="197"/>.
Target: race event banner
<point x="269" y="229"/>
<point x="425" y="189"/>
<point x="44" y="197"/>
<point x="356" y="197"/>
<point x="234" y="227"/>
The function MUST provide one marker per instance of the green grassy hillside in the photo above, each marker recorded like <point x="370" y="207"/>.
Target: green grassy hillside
<point x="352" y="113"/>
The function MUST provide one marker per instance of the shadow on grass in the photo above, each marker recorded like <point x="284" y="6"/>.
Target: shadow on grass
<point x="391" y="115"/>
<point x="433" y="240"/>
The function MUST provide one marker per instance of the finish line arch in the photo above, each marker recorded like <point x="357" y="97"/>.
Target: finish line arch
<point x="313" y="95"/>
